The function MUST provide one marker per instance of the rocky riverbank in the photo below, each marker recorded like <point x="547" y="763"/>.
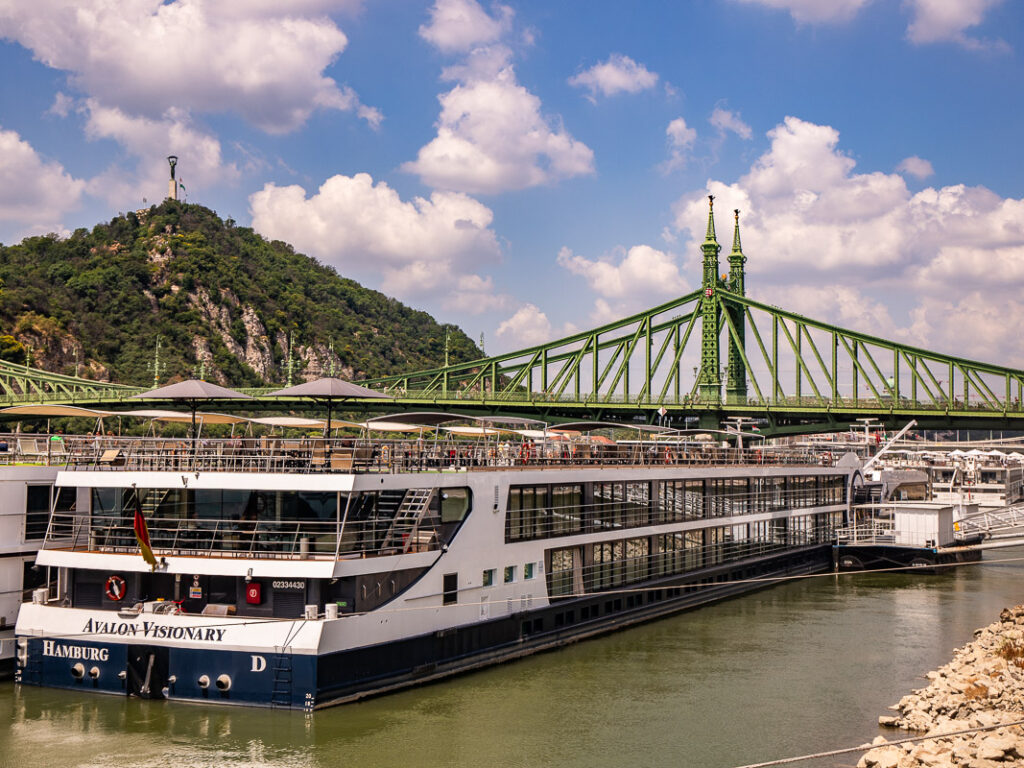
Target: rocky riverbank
<point x="982" y="686"/>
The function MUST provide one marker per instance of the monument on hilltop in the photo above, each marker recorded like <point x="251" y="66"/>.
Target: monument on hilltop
<point x="172" y="185"/>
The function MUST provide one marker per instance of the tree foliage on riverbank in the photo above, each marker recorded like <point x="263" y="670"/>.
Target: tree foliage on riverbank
<point x="218" y="296"/>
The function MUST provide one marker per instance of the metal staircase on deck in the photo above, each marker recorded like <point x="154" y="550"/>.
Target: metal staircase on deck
<point x="404" y="531"/>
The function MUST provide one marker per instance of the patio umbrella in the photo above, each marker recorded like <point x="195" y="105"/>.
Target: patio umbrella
<point x="191" y="392"/>
<point x="328" y="389"/>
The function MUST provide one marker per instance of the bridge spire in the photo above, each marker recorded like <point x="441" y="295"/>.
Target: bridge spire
<point x="709" y="379"/>
<point x="736" y="383"/>
<point x="710" y="236"/>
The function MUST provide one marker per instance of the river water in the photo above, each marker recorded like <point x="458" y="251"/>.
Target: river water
<point x="802" y="667"/>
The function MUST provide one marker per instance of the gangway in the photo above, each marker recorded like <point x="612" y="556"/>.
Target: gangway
<point x="999" y="523"/>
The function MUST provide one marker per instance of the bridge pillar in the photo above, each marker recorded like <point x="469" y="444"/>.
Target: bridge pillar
<point x="736" y="385"/>
<point x="709" y="381"/>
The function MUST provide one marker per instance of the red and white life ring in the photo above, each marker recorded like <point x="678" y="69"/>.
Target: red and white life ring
<point x="115" y="588"/>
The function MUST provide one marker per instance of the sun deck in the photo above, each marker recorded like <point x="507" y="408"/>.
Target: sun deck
<point x="363" y="455"/>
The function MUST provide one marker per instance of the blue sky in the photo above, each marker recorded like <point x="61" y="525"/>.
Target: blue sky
<point x="533" y="168"/>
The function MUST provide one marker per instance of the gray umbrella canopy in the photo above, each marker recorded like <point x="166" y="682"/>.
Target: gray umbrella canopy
<point x="329" y="389"/>
<point x="337" y="389"/>
<point x="192" y="391"/>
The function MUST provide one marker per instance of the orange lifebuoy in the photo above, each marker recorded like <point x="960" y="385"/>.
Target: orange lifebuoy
<point x="115" y="588"/>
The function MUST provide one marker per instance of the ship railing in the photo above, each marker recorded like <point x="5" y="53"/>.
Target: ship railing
<point x="631" y="561"/>
<point x="990" y="522"/>
<point x="258" y="539"/>
<point x="868" y="532"/>
<point x="362" y="455"/>
<point x="530" y="523"/>
<point x="362" y="538"/>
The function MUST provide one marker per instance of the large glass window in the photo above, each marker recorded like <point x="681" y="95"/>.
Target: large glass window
<point x="608" y="501"/>
<point x="536" y="512"/>
<point x="566" y="509"/>
<point x="37" y="511"/>
<point x="637" y="505"/>
<point x="562" y="571"/>
<point x="636" y="556"/>
<point x="454" y="504"/>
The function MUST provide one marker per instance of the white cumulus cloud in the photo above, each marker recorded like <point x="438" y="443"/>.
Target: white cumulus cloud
<point x="932" y="21"/>
<point x="34" y="192"/>
<point x="149" y="141"/>
<point x="526" y="328"/>
<point x="939" y="21"/>
<point x="492" y="135"/>
<point x="724" y="120"/>
<point x="474" y="295"/>
<point x="418" y="247"/>
<point x="916" y="166"/>
<point x="680" y="139"/>
<point x="619" y="74"/>
<point x="458" y="26"/>
<point x="814" y="11"/>
<point x="822" y="237"/>
<point x="262" y="61"/>
<point x="629" y="281"/>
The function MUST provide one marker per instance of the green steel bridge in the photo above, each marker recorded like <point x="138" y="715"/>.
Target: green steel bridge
<point x="665" y="365"/>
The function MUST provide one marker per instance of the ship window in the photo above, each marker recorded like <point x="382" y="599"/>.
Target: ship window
<point x="510" y="574"/>
<point x="451" y="588"/>
<point x="37" y="511"/>
<point x="488" y="577"/>
<point x="528" y="571"/>
<point x="454" y="504"/>
<point x="567" y="509"/>
<point x="561" y="571"/>
<point x="637" y="504"/>
<point x="608" y="501"/>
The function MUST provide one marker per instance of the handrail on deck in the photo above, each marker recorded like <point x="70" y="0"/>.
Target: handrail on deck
<point x="274" y="539"/>
<point x="360" y="455"/>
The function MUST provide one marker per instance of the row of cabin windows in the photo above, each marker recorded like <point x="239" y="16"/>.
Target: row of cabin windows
<point x="487" y="579"/>
<point x="544" y="511"/>
<point x="489" y="575"/>
<point x="605" y="565"/>
<point x="218" y="504"/>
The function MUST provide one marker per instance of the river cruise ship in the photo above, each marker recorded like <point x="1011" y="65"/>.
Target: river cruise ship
<point x="301" y="574"/>
<point x="27" y="497"/>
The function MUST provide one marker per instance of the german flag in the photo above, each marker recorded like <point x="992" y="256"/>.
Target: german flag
<point x="142" y="536"/>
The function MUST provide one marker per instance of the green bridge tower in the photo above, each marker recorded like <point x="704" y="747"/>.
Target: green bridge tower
<point x="736" y="383"/>
<point x="710" y="383"/>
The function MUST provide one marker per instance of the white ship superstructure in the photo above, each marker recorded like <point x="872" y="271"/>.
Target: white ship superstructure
<point x="27" y="496"/>
<point x="302" y="574"/>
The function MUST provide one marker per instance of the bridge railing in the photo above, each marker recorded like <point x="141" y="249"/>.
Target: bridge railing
<point x="975" y="404"/>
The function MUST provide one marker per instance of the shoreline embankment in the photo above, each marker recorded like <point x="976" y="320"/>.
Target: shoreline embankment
<point x="982" y="687"/>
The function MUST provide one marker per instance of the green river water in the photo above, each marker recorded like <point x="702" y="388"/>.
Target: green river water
<point x="794" y="669"/>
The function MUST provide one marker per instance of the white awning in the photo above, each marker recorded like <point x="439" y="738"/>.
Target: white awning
<point x="54" y="411"/>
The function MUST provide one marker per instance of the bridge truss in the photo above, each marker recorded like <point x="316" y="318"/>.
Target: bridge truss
<point x="799" y="374"/>
<point x="793" y="373"/>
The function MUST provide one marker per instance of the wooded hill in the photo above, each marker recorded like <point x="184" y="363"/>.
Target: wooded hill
<point x="216" y="295"/>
